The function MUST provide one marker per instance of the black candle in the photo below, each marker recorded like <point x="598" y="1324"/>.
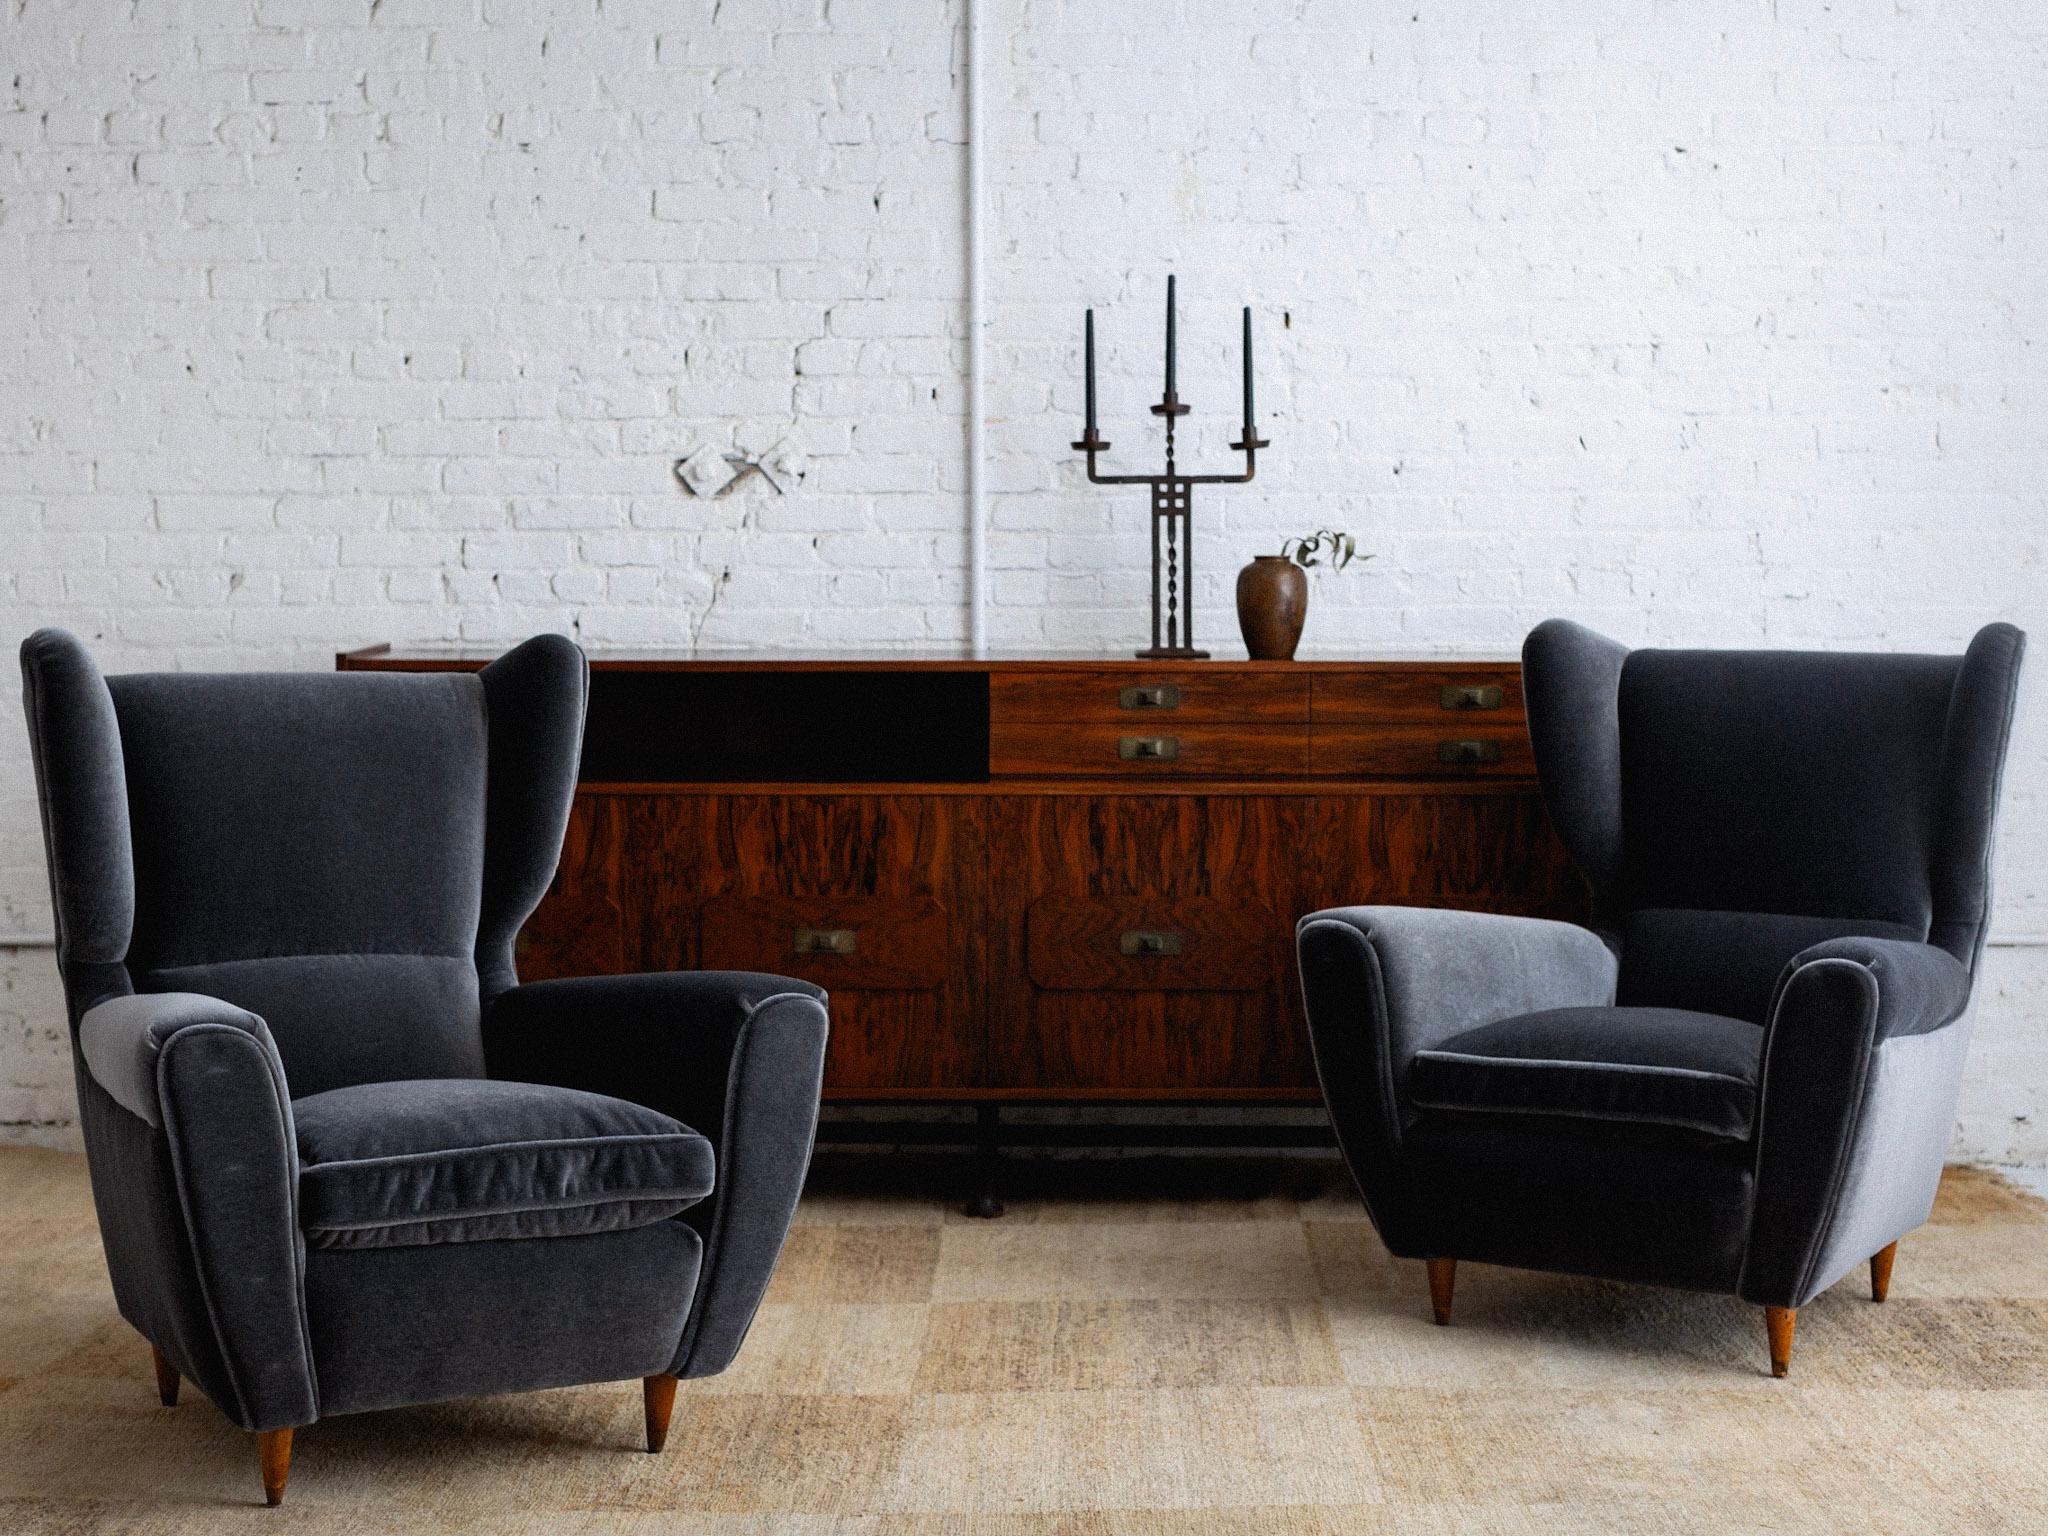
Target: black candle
<point x="1169" y="336"/>
<point x="1091" y="370"/>
<point x="1248" y="435"/>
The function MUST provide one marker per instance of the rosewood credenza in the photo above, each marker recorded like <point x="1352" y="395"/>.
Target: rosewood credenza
<point x="1033" y="879"/>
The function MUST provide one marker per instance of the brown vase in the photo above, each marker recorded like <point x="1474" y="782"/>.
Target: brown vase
<point x="1272" y="604"/>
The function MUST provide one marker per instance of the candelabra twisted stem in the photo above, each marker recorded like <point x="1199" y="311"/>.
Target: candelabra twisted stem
<point x="1173" y="567"/>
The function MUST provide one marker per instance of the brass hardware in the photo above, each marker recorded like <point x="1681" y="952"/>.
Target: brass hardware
<point x="1149" y="941"/>
<point x="1158" y="749"/>
<point x="1468" y="751"/>
<point x="1149" y="696"/>
<point x="825" y="941"/>
<point x="1462" y="696"/>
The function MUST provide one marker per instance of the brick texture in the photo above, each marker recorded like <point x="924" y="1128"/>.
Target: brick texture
<point x="329" y="321"/>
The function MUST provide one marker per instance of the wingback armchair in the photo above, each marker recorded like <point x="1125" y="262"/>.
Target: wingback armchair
<point x="342" y="1160"/>
<point x="1742" y="1076"/>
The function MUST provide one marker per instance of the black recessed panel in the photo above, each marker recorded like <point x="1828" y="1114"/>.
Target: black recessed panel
<point x="786" y="727"/>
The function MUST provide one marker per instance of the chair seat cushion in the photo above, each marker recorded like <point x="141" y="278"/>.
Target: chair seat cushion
<point x="463" y="1160"/>
<point x="1649" y="1066"/>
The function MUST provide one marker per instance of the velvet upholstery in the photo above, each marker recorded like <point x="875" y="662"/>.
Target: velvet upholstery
<point x="349" y="931"/>
<point x="1383" y="983"/>
<point x="122" y="1041"/>
<point x="1891" y="1159"/>
<point x="393" y="1326"/>
<point x="81" y="790"/>
<point x="462" y="1160"/>
<point x="1647" y="1204"/>
<point x="1781" y="782"/>
<point x="1571" y="686"/>
<point x="1649" y="1066"/>
<point x="1724" y="963"/>
<point x="1836" y="1007"/>
<point x="284" y="904"/>
<point x="216" y="1101"/>
<point x="534" y="696"/>
<point x="150" y="1256"/>
<point x="1788" y="859"/>
<point x="738" y="1055"/>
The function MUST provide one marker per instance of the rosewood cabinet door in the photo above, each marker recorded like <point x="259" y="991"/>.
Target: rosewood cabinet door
<point x="877" y="898"/>
<point x="1141" y="944"/>
<point x="1479" y="847"/>
<point x="578" y="928"/>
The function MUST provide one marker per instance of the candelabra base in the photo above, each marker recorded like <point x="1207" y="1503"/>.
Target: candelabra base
<point x="1171" y="653"/>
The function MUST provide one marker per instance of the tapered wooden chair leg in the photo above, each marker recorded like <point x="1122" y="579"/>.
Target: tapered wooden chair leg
<point x="274" y="1449"/>
<point x="1881" y="1272"/>
<point x="660" y="1393"/>
<point x="166" y="1378"/>
<point x="1443" y="1276"/>
<point x="1781" y="1321"/>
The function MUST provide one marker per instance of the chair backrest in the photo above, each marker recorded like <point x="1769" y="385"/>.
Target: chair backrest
<point x="1730" y="808"/>
<point x="349" y="855"/>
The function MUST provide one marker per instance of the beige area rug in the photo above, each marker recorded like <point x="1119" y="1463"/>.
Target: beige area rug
<point x="1109" y="1360"/>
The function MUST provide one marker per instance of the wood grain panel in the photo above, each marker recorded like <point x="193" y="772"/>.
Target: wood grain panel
<point x="1151" y="852"/>
<point x="1080" y="944"/>
<point x="1418" y="693"/>
<point x="1458" y="749"/>
<point x="1484" y="851"/>
<point x="579" y="927"/>
<point x="1097" y="751"/>
<point x="1195" y="695"/>
<point x="898" y="943"/>
<point x="807" y="853"/>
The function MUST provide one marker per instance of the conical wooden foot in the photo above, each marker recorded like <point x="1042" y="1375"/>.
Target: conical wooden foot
<point x="660" y="1393"/>
<point x="1780" y="1321"/>
<point x="166" y="1378"/>
<point x="1443" y="1276"/>
<point x="274" y="1449"/>
<point x="1881" y="1272"/>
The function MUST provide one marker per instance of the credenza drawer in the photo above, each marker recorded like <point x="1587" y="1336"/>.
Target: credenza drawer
<point x="1449" y="696"/>
<point x="1134" y="696"/>
<point x="1150" y="944"/>
<point x="862" y="943"/>
<point x="1452" y="749"/>
<point x="1148" y="748"/>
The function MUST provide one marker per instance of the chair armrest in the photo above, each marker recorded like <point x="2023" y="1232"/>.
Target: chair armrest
<point x="123" y="1040"/>
<point x="1839" y="1006"/>
<point x="735" y="1055"/>
<point x="206" y="1075"/>
<point x="1381" y="983"/>
<point x="1414" y="976"/>
<point x="1919" y="986"/>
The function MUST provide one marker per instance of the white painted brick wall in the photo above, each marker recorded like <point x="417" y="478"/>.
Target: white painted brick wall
<point x="327" y="321"/>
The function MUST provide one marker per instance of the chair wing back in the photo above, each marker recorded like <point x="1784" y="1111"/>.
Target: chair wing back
<point x="348" y="855"/>
<point x="1732" y="807"/>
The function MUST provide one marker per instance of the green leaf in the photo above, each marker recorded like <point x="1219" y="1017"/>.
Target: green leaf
<point x="1307" y="550"/>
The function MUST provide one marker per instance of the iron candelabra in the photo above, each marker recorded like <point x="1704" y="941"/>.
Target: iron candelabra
<point x="1173" y="545"/>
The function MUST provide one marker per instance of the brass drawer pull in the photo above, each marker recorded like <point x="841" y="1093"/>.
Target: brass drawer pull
<point x="1149" y="941"/>
<point x="1149" y="696"/>
<point x="825" y="941"/>
<point x="1468" y="751"/>
<point x="1462" y="696"/>
<point x="1156" y="749"/>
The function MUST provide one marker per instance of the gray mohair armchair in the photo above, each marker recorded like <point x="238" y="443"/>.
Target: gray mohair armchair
<point x="1742" y="1076"/>
<point x="342" y="1160"/>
